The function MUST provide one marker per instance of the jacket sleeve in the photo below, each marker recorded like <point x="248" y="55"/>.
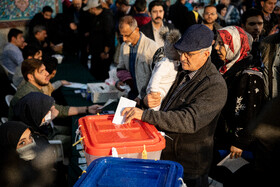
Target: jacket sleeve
<point x="63" y="110"/>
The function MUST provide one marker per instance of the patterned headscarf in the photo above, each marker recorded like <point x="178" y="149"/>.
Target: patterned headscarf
<point x="236" y="44"/>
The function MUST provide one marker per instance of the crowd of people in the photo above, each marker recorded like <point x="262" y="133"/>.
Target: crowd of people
<point x="205" y="74"/>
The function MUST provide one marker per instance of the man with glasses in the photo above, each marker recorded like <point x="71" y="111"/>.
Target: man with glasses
<point x="190" y="111"/>
<point x="209" y="18"/>
<point x="136" y="55"/>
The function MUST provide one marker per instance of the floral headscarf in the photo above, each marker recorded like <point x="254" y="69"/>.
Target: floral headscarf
<point x="236" y="44"/>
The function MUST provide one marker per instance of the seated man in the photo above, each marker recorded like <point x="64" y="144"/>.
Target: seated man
<point x="29" y="52"/>
<point x="39" y="40"/>
<point x="12" y="55"/>
<point x="51" y="67"/>
<point x="36" y="76"/>
<point x="190" y="111"/>
<point x="136" y="55"/>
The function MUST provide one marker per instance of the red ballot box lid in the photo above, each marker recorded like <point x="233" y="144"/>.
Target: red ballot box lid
<point x="100" y="135"/>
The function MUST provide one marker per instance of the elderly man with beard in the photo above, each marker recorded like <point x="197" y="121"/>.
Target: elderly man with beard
<point x="35" y="74"/>
<point x="151" y="29"/>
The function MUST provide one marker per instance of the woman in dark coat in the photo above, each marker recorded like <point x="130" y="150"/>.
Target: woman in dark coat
<point x="245" y="89"/>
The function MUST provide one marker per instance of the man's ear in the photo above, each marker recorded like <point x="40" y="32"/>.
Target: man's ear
<point x="206" y="54"/>
<point x="13" y="38"/>
<point x="30" y="77"/>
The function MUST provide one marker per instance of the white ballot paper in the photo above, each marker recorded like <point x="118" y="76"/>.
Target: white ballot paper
<point x="123" y="103"/>
<point x="233" y="164"/>
<point x="76" y="85"/>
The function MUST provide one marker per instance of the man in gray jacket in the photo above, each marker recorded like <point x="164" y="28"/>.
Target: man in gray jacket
<point x="136" y="55"/>
<point x="191" y="109"/>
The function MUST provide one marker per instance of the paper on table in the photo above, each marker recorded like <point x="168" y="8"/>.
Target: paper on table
<point x="76" y="85"/>
<point x="233" y="164"/>
<point x="107" y="103"/>
<point x="123" y="103"/>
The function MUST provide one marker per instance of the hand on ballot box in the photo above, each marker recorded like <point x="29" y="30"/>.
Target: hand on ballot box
<point x="132" y="113"/>
<point x="94" y="109"/>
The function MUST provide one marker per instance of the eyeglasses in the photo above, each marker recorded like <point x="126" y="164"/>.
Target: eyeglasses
<point x="127" y="36"/>
<point x="188" y="54"/>
<point x="209" y="14"/>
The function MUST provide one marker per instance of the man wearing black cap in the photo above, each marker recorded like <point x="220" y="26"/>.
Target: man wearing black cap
<point x="190" y="111"/>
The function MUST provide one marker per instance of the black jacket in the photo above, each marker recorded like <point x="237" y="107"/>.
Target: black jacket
<point x="189" y="116"/>
<point x="181" y="17"/>
<point x="102" y="32"/>
<point x="148" y="29"/>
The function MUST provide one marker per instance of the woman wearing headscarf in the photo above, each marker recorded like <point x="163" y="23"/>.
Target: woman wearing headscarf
<point x="16" y="138"/>
<point x="37" y="110"/>
<point x="245" y="89"/>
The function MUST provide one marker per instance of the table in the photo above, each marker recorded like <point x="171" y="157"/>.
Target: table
<point x="71" y="70"/>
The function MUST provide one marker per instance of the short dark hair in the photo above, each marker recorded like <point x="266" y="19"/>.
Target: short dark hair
<point x="50" y="63"/>
<point x="122" y="2"/>
<point x="208" y="6"/>
<point x="154" y="3"/>
<point x="29" y="50"/>
<point x="13" y="33"/>
<point x="39" y="28"/>
<point x="140" y="5"/>
<point x="220" y="7"/>
<point x="251" y="13"/>
<point x="47" y="9"/>
<point x="29" y="66"/>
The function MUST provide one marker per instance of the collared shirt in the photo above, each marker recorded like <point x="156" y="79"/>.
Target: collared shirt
<point x="11" y="57"/>
<point x="132" y="60"/>
<point x="157" y="37"/>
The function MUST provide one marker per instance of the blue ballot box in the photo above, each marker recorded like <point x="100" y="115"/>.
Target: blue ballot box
<point x="110" y="171"/>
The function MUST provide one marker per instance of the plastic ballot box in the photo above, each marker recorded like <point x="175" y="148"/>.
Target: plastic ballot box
<point x="128" y="172"/>
<point x="102" y="138"/>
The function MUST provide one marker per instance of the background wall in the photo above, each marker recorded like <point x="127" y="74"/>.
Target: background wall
<point x="17" y="13"/>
